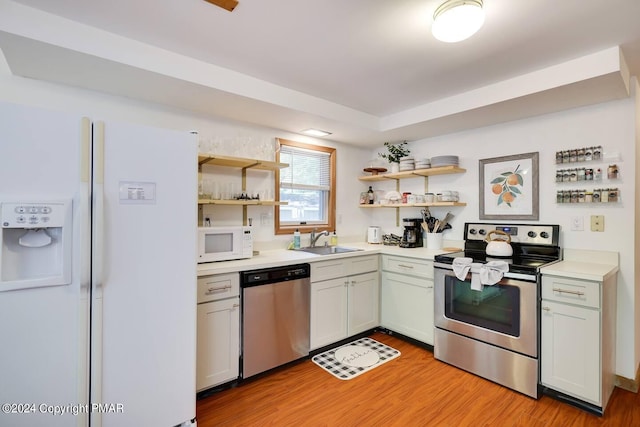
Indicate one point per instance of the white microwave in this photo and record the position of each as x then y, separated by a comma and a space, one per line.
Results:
224, 243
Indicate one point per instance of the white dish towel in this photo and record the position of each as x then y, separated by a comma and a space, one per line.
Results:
489, 273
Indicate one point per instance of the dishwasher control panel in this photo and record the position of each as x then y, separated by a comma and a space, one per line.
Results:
273, 275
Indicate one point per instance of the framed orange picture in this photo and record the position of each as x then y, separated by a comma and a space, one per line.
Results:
509, 187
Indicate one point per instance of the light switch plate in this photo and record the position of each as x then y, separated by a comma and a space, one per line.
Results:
597, 222
577, 223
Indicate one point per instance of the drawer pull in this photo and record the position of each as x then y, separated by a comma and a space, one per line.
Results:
562, 291
405, 266
236, 305
220, 289
546, 308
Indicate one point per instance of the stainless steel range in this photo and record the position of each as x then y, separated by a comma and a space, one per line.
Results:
492, 329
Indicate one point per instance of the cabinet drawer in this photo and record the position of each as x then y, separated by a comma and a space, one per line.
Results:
342, 267
325, 270
572, 291
412, 266
363, 264
219, 286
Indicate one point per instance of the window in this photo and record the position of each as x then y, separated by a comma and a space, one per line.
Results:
308, 187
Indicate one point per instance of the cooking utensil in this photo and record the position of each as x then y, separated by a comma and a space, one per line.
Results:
500, 248
448, 217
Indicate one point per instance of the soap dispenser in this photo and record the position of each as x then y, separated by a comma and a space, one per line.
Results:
334, 239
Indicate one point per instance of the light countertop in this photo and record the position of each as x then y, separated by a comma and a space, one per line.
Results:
281, 257
581, 270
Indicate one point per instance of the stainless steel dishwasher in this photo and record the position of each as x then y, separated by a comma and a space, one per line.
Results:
275, 317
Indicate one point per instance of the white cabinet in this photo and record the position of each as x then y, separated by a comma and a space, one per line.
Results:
218, 330
578, 338
407, 297
345, 298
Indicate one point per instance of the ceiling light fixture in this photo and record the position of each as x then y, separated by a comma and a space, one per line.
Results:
456, 20
316, 132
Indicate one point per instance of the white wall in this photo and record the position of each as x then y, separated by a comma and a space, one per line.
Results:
612, 125
228, 138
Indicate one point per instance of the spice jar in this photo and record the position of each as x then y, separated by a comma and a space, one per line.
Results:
604, 195
559, 196
596, 196
573, 175
588, 154
581, 174
574, 196
581, 154
581, 196
566, 197
588, 174
559, 176
612, 172
613, 195
558, 157
588, 197
597, 152
565, 156
597, 175
573, 155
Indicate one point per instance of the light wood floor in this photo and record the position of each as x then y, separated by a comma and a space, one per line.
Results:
412, 390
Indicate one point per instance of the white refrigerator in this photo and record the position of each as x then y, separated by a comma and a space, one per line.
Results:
97, 272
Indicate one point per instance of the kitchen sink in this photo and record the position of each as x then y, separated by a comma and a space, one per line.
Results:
328, 250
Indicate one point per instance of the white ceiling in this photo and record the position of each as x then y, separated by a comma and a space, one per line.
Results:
375, 58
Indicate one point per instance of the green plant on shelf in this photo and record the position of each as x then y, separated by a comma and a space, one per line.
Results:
395, 152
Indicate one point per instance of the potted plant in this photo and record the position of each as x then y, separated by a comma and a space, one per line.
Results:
395, 153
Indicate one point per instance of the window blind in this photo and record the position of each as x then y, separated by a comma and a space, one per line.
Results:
308, 169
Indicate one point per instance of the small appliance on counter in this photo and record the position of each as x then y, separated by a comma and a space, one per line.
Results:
224, 243
374, 235
412, 236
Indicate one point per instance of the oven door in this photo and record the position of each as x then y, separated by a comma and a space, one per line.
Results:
504, 314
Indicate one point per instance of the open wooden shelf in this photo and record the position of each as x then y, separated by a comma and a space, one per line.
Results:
415, 205
241, 202
238, 162
442, 170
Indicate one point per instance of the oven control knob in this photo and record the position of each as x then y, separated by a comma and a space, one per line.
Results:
482, 232
532, 234
472, 231
544, 235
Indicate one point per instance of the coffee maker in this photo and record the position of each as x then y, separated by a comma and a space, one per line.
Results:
412, 236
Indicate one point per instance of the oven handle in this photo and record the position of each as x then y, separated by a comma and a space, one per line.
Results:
563, 291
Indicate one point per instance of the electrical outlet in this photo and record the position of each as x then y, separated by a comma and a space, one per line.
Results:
577, 223
597, 222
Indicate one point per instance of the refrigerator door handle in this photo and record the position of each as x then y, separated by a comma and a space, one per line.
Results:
85, 203
98, 207
97, 271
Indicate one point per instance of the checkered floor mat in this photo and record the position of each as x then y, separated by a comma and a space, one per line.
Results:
364, 348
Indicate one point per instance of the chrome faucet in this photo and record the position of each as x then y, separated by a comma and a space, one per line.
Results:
315, 236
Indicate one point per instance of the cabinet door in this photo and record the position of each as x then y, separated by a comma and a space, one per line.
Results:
407, 306
218, 343
570, 354
364, 302
328, 312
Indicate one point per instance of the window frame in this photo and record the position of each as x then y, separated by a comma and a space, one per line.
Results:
331, 208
